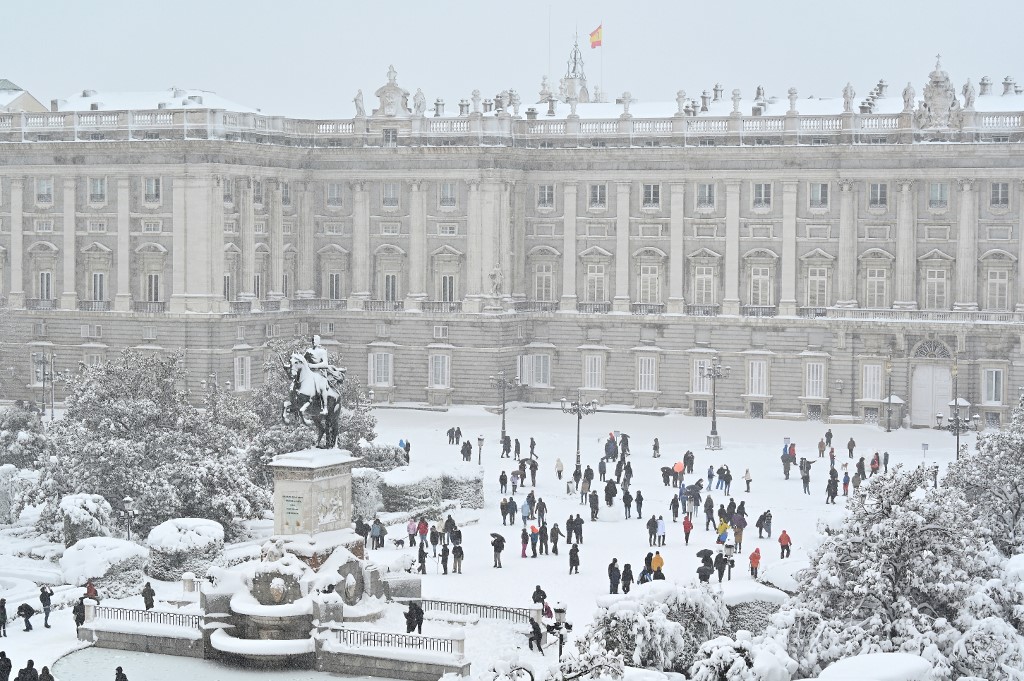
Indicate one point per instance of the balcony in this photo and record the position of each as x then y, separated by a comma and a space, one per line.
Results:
889, 314
758, 310
592, 308
383, 305
40, 304
149, 306
271, 306
702, 310
534, 306
94, 306
442, 306
314, 304
811, 312
647, 308
240, 307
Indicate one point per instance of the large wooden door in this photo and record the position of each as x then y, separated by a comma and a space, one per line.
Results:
931, 392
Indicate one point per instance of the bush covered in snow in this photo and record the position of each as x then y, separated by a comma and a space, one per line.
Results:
414, 490
22, 439
114, 565
14, 483
84, 515
465, 485
742, 658
367, 500
410, 489
382, 457
752, 616
184, 545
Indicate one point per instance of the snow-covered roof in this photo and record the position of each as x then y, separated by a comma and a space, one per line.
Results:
171, 98
8, 85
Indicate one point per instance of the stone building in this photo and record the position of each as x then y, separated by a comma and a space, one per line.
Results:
832, 252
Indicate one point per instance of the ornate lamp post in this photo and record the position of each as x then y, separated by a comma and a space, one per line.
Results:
888, 399
129, 513
45, 371
501, 381
714, 371
956, 424
579, 409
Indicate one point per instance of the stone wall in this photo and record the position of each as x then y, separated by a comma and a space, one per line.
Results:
363, 664
142, 642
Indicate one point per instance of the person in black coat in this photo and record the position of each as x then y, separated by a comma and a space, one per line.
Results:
639, 501
721, 562
555, 533
614, 576
29, 673
423, 558
444, 558
539, 595
627, 577
627, 502
45, 675
119, 675
5, 666
574, 559
535, 636
45, 596
78, 612
148, 595
457, 556
26, 611
652, 530
498, 543
414, 618
3, 616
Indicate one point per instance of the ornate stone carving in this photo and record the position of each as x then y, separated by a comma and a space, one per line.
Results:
905, 185
680, 102
908, 98
792, 100
358, 101
940, 108
966, 184
419, 103
736, 101
932, 349
394, 101
848, 94
845, 185
969, 95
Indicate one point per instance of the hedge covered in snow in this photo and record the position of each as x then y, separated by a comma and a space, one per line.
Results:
84, 515
183, 545
414, 490
114, 565
382, 457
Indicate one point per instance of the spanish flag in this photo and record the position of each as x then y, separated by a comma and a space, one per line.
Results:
595, 37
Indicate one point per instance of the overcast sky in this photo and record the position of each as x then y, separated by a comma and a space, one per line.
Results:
307, 58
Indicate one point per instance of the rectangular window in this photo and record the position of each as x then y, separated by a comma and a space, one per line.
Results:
819, 195
96, 226
333, 228
391, 287
997, 293
646, 374
151, 190
390, 137
650, 284
155, 226
257, 191
439, 371
285, 284
935, 289
652, 196
447, 198
44, 225
152, 288
760, 286
45, 289
701, 384
876, 292
286, 194
257, 285
993, 388
334, 194
757, 377
817, 287
448, 288
815, 383
543, 282
229, 190
762, 195
704, 286
99, 286
380, 369
334, 291
871, 388
230, 227
440, 331
878, 195
389, 194
93, 359
1000, 194
938, 195
97, 190
227, 287
390, 228
243, 367
706, 195
593, 372
535, 370
595, 291
259, 228
546, 196
44, 190
447, 229
598, 196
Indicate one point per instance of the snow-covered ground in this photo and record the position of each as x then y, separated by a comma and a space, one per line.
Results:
749, 444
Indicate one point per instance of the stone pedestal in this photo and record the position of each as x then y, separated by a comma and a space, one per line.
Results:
312, 491
714, 442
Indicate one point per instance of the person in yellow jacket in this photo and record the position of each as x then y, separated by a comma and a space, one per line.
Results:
657, 562
723, 527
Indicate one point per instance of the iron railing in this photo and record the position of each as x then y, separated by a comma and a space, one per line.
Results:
176, 619
361, 638
594, 307
442, 306
647, 308
500, 612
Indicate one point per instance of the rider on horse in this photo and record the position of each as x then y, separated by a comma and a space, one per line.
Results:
318, 361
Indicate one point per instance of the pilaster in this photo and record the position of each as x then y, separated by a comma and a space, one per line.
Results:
906, 248
361, 255
417, 247
676, 257
305, 286
967, 248
731, 302
474, 257
1019, 188
276, 226
247, 241
787, 301
620, 303
846, 265
123, 296
179, 246
16, 298
69, 256
568, 302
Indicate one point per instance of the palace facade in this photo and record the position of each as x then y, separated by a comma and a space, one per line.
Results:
831, 252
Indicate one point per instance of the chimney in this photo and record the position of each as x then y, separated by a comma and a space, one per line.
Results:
88, 93
1007, 85
985, 86
882, 88
438, 107
178, 92
531, 114
756, 110
704, 100
488, 105
718, 92
55, 105
463, 107
551, 106
163, 105
95, 106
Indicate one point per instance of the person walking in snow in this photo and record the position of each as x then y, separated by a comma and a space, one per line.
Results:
559, 467
727, 477
821, 448
831, 491
595, 505
148, 594
577, 475
656, 452
747, 478
524, 538
846, 484
627, 501
534, 540
614, 576
534, 467
785, 464
627, 578
555, 534
5, 666
579, 529
574, 559
533, 448
785, 543
850, 447
673, 506
498, 544
687, 528
857, 479
755, 562
544, 539
3, 616
435, 539
602, 470
539, 595
652, 531
444, 558
661, 530
876, 463
885, 462
639, 501
535, 636
721, 562
457, 555
45, 596
503, 483
514, 479
709, 513
711, 476
422, 556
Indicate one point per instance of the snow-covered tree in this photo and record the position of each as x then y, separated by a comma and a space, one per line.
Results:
22, 440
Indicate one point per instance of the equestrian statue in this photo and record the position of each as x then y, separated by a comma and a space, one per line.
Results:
315, 393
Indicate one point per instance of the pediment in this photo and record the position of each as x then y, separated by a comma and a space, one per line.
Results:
997, 254
761, 253
42, 247
936, 254
595, 252
96, 248
876, 254
262, 247
332, 249
649, 252
543, 251
817, 254
704, 253
447, 250
388, 249
228, 248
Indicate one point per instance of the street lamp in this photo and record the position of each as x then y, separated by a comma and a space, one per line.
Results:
888, 409
501, 381
480, 451
714, 371
45, 370
957, 424
579, 409
129, 513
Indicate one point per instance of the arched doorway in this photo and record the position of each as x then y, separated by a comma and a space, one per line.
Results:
931, 386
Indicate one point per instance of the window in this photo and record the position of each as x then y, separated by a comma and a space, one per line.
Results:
286, 194
287, 227
705, 196
876, 291
819, 195
326, 328
229, 190
595, 290
871, 387
997, 290
447, 229
285, 284
92, 331
817, 287
760, 286
334, 192
543, 282
992, 391
152, 288
230, 227
389, 196
935, 289
598, 196
243, 367
379, 373
757, 377
706, 142
257, 285
447, 288
151, 192
390, 137
646, 374
93, 359
878, 195
149, 333
762, 195
44, 225
938, 195
650, 284
391, 287
227, 287
257, 191
259, 228
45, 288
1000, 194
652, 196
701, 384
535, 370
546, 196
333, 228
440, 331
439, 371
155, 226
448, 196
99, 286
334, 290
390, 228
815, 380
593, 372
44, 190
704, 285
96, 226
97, 190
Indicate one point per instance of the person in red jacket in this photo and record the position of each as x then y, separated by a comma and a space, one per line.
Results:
422, 528
755, 562
687, 528
785, 542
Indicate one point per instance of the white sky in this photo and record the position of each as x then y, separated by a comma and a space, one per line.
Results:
307, 58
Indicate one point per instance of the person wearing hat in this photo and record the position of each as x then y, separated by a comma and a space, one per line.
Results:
119, 676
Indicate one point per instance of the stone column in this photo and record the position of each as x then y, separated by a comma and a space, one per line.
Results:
1020, 246
474, 236
731, 302
123, 297
622, 257
490, 216
247, 242
16, 299
906, 251
69, 293
846, 277
215, 247
179, 246
788, 267
361, 255
417, 247
967, 248
677, 255
503, 238
519, 287
305, 286
275, 216
198, 242
568, 302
